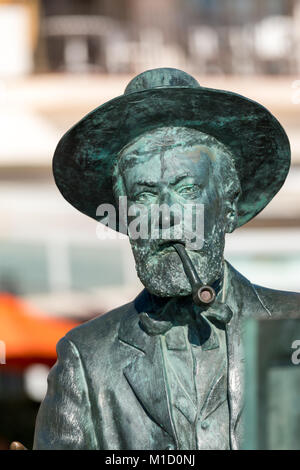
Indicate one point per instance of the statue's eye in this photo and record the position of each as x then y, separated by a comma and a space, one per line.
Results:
189, 190
144, 196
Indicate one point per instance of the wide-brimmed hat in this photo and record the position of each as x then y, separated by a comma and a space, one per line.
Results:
85, 155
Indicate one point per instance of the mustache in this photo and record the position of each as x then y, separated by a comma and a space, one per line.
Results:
159, 248
164, 239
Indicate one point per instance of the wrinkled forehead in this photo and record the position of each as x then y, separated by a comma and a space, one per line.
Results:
170, 141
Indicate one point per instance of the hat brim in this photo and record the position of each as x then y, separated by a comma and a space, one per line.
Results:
85, 155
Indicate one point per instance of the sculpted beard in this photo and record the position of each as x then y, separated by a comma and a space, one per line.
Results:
161, 272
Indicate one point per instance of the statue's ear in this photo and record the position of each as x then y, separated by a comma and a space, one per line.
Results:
231, 215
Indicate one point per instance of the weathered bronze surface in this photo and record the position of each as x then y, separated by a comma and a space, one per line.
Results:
163, 372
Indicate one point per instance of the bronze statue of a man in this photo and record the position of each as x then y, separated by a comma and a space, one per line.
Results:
165, 371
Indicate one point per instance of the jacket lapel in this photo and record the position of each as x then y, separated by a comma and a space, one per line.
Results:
217, 393
243, 300
145, 371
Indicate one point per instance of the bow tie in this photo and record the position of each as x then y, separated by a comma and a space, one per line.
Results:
178, 312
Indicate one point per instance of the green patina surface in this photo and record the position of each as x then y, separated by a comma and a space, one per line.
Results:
160, 373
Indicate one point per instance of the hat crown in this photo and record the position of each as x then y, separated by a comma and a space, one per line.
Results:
160, 78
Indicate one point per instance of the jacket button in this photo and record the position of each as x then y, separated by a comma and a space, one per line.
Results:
205, 424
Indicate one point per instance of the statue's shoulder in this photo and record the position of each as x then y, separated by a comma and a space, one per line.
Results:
102, 329
278, 302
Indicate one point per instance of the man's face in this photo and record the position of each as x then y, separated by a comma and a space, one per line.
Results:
172, 173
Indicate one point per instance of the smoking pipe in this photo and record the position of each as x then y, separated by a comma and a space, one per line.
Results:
202, 294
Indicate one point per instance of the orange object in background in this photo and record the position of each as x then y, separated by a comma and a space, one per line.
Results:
28, 334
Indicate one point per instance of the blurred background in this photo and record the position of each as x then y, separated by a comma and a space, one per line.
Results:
59, 59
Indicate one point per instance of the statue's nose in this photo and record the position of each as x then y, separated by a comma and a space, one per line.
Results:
168, 219
169, 213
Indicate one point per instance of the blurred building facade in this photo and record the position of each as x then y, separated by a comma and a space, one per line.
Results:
62, 58
203, 36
